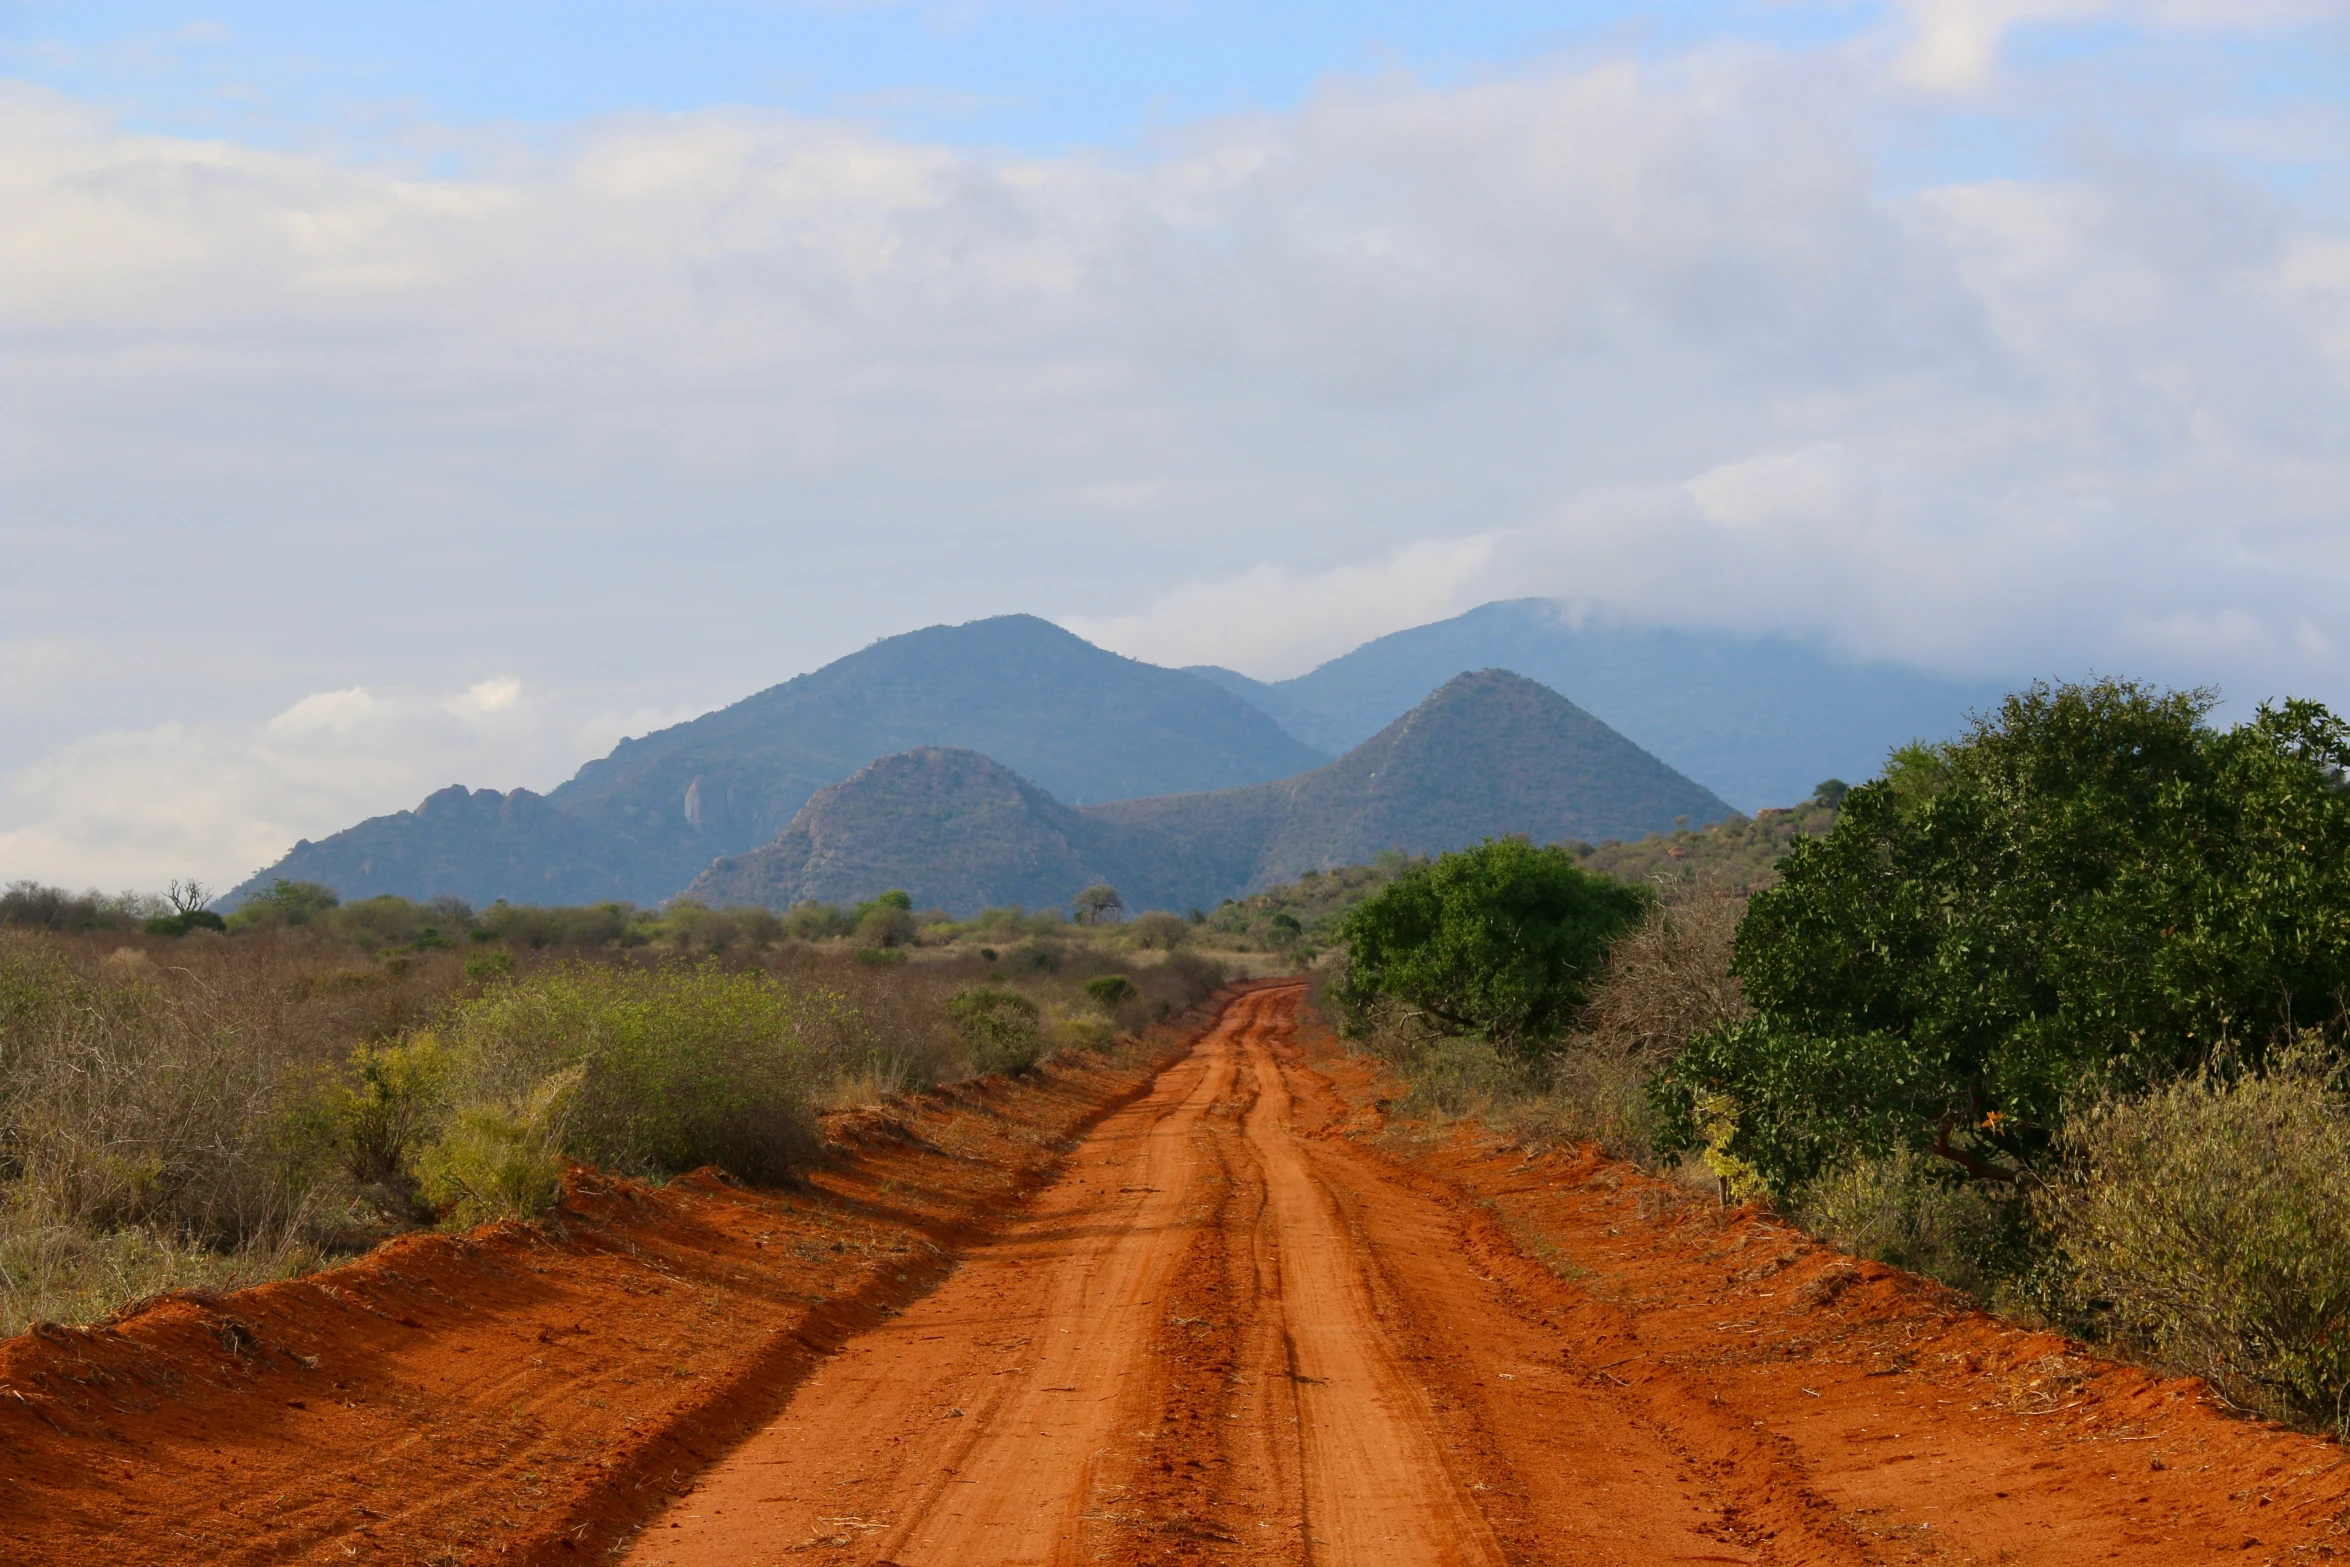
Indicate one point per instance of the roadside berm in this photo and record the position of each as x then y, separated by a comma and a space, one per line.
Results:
1207, 1308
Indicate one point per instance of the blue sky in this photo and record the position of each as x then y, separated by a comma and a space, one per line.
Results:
1031, 76
400, 395
395, 80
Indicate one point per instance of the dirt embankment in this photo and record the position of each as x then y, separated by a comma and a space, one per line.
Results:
1242, 1321
520, 1393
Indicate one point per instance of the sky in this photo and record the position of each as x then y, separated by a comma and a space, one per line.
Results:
393, 396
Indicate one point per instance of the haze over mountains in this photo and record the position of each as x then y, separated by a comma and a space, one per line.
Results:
1179, 786
1490, 753
1759, 720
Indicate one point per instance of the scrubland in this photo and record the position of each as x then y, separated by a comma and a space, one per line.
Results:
221, 1107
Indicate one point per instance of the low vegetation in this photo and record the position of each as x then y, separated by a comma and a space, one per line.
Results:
216, 1108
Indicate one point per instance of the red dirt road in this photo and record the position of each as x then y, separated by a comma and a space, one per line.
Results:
1225, 1313
1226, 1335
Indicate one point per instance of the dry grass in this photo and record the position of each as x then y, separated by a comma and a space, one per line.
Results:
214, 1110
2207, 1223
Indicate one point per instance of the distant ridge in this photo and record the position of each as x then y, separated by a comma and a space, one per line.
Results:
1488, 755
639, 824
1758, 719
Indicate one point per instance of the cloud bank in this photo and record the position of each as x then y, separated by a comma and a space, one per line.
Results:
662, 409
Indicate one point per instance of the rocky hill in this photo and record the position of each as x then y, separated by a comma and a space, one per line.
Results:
951, 827
1758, 719
641, 823
1489, 754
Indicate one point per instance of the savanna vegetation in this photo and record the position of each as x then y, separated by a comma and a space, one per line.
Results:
214, 1104
2054, 1012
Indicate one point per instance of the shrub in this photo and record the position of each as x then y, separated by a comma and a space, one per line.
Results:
148, 1096
1159, 929
517, 925
1110, 991
1500, 940
677, 1066
1668, 981
884, 923
285, 903
53, 908
1097, 905
1592, 1095
390, 1099
490, 965
1070, 1031
998, 1027
1916, 1212
818, 921
2086, 894
2210, 1218
186, 920
500, 1161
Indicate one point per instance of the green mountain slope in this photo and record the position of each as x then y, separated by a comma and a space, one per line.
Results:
641, 823
1489, 754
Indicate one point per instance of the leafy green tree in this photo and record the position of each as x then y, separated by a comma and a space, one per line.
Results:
2091, 891
287, 903
1097, 903
1500, 940
887, 921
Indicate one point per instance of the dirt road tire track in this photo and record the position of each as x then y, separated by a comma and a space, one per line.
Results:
1354, 1392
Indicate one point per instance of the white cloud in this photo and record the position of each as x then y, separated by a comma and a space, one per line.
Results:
480, 700
220, 800
1272, 621
1952, 45
663, 409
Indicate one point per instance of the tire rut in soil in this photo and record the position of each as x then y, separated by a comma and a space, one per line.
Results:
1265, 1344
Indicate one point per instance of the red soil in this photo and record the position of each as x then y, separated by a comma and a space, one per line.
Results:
520, 1394
1240, 1320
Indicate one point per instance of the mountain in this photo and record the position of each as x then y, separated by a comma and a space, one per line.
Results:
1759, 719
1086, 724
477, 844
1489, 754
951, 827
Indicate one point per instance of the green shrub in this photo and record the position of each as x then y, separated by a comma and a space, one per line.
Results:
678, 1066
490, 965
285, 904
1072, 1031
2208, 1222
2088, 893
1110, 991
392, 1096
500, 1161
1501, 940
999, 1028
